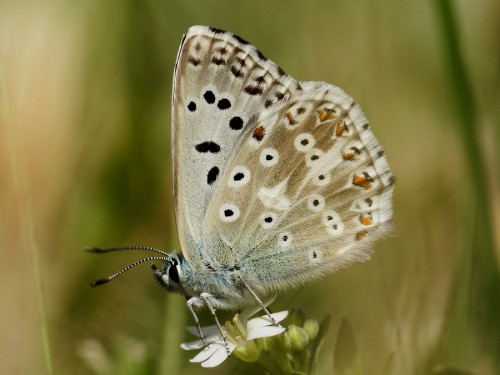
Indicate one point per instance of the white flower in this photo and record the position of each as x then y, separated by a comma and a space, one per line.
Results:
240, 332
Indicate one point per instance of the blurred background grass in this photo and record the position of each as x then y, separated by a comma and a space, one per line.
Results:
85, 160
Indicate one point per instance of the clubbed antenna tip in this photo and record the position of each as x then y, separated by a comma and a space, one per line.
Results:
100, 282
92, 249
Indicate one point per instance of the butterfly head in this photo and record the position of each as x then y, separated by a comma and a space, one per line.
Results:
170, 274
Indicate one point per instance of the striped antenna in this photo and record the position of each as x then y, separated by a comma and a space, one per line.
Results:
99, 250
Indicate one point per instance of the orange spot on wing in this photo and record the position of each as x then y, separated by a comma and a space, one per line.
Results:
258, 133
326, 114
365, 219
360, 235
362, 181
340, 129
348, 156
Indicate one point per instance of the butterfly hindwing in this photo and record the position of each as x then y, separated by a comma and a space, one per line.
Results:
305, 192
220, 81
279, 180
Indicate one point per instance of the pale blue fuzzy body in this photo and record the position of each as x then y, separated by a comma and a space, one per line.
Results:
223, 285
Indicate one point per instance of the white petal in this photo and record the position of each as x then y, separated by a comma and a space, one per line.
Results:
219, 356
213, 354
198, 344
264, 320
266, 331
206, 353
192, 345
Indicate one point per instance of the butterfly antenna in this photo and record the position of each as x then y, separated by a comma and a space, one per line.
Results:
99, 250
116, 274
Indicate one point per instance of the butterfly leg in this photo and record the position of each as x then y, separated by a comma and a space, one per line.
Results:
259, 301
190, 303
206, 299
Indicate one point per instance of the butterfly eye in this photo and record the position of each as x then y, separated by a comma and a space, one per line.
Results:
269, 157
304, 142
173, 274
285, 239
240, 175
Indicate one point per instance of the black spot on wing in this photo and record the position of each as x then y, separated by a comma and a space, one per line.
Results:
216, 30
209, 97
280, 71
260, 55
212, 175
236, 123
194, 61
240, 39
207, 146
238, 176
236, 72
224, 104
218, 61
253, 90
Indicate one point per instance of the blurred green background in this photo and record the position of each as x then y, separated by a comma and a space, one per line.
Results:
85, 160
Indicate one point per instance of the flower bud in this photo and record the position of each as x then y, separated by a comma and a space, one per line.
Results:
311, 327
281, 341
250, 352
298, 338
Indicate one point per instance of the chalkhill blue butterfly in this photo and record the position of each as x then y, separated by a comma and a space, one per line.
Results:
276, 182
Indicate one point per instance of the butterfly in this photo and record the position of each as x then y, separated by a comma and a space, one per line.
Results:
276, 182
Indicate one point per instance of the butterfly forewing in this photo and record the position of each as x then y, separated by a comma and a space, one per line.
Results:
279, 180
220, 82
305, 193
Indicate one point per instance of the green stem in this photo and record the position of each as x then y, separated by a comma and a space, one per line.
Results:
474, 307
173, 330
26, 220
